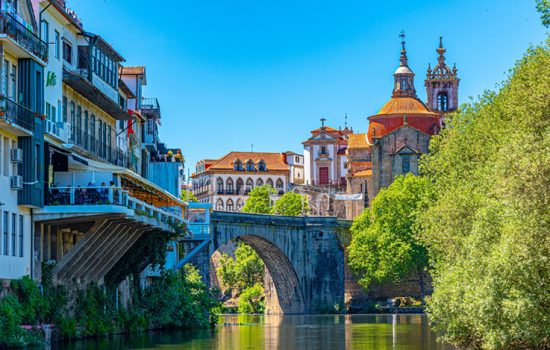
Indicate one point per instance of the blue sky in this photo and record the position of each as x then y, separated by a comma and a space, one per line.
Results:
229, 74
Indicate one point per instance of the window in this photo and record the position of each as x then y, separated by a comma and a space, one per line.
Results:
240, 204
13, 76
104, 66
238, 165
262, 166
240, 185
79, 124
64, 113
442, 102
280, 184
5, 77
13, 233
297, 159
53, 115
259, 182
86, 131
73, 120
230, 186
21, 231
92, 137
405, 164
250, 166
323, 150
269, 182
249, 186
57, 44
219, 204
45, 31
230, 206
57, 117
48, 111
219, 185
67, 52
6, 222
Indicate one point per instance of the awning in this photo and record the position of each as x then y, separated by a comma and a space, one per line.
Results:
140, 187
349, 197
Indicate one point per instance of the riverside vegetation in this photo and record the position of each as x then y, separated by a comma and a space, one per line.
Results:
478, 217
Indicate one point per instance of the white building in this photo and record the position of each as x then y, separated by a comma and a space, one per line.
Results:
226, 182
295, 163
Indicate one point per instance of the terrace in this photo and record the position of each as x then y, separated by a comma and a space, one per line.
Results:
21, 41
16, 118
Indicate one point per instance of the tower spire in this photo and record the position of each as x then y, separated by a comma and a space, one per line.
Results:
403, 58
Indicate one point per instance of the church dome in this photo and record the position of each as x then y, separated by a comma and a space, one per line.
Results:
404, 105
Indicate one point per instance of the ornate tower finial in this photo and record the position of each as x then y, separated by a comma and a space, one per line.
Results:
442, 84
441, 50
403, 57
346, 121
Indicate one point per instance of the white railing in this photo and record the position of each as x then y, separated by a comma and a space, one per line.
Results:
87, 195
161, 215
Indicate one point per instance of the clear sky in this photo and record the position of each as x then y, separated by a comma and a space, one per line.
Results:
233, 73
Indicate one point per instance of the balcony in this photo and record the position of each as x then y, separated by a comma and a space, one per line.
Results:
91, 146
27, 43
16, 118
87, 200
151, 107
58, 130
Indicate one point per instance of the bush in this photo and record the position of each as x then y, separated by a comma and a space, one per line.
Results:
251, 300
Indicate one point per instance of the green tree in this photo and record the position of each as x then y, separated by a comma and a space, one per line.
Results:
488, 222
385, 246
246, 270
259, 200
543, 6
291, 204
251, 300
188, 196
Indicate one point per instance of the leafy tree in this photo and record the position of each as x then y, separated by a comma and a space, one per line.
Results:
251, 301
543, 6
291, 204
488, 222
246, 270
385, 246
259, 200
188, 196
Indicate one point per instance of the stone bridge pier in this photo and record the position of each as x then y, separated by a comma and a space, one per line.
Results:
303, 255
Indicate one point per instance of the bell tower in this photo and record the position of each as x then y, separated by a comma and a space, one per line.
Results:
403, 85
442, 84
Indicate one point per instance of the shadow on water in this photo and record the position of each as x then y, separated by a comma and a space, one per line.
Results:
380, 332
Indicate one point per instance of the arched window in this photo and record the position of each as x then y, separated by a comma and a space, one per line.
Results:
240, 185
279, 184
442, 102
250, 166
229, 186
238, 165
406, 164
219, 186
262, 166
219, 204
240, 204
249, 186
229, 206
269, 182
259, 182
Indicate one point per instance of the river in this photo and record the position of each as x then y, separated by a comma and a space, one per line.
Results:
380, 332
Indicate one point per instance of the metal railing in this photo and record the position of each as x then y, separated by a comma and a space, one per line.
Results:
16, 114
150, 104
87, 195
108, 195
92, 144
10, 26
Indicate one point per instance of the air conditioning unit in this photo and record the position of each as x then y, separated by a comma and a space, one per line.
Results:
16, 182
16, 155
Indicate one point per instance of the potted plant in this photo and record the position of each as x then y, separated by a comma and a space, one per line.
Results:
169, 155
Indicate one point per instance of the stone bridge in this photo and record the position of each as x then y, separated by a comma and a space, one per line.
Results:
303, 255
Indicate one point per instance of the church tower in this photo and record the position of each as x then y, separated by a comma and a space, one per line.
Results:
403, 77
442, 84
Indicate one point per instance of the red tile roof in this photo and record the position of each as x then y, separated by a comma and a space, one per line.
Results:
274, 161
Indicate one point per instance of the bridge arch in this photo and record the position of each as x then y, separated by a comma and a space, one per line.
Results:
303, 255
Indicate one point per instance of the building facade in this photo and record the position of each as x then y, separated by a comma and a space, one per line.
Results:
400, 132
226, 182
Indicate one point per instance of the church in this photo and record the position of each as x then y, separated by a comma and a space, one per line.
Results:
397, 136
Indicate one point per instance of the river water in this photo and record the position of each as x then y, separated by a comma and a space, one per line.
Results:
380, 332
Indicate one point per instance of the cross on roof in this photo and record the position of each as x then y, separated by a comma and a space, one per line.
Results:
402, 36
323, 120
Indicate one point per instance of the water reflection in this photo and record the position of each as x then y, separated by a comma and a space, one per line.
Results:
380, 332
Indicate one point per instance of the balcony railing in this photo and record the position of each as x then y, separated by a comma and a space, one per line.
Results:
150, 104
10, 26
16, 114
104, 151
108, 195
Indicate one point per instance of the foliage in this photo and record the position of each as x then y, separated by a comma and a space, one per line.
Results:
291, 204
543, 7
11, 333
188, 196
246, 270
259, 201
385, 246
251, 300
179, 301
487, 224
